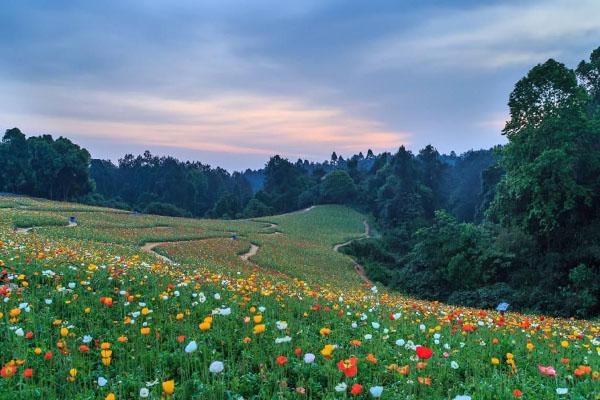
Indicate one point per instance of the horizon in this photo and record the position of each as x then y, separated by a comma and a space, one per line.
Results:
241, 170
232, 85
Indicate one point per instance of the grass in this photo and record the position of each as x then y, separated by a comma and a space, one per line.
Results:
56, 282
29, 220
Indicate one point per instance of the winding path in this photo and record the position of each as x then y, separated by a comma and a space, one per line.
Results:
149, 248
271, 225
252, 251
28, 229
360, 270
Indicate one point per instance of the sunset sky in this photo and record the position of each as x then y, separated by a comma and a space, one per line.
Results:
231, 83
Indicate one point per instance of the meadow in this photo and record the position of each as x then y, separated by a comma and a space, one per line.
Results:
86, 314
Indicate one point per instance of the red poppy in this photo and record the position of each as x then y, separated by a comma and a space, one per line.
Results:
298, 352
517, 393
281, 360
84, 348
180, 338
48, 355
348, 367
8, 370
29, 335
356, 389
28, 373
424, 352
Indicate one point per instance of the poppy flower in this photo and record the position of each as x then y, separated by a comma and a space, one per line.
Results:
403, 370
259, 329
517, 393
348, 367
356, 389
28, 373
8, 370
327, 350
281, 360
547, 371
216, 367
424, 352
204, 326
168, 387
325, 331
424, 380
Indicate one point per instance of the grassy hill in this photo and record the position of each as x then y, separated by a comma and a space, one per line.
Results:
87, 313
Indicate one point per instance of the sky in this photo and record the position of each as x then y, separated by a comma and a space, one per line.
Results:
231, 83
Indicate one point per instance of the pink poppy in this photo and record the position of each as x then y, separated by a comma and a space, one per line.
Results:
548, 371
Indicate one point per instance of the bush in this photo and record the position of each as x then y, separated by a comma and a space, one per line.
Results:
256, 208
169, 210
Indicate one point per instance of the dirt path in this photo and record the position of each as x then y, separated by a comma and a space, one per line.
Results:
253, 250
149, 248
360, 270
27, 230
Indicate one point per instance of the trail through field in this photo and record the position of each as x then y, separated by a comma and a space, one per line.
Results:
27, 230
272, 225
149, 248
253, 250
360, 270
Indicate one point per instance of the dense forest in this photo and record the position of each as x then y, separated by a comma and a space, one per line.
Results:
518, 223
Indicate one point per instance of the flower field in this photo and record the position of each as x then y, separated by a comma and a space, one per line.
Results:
86, 315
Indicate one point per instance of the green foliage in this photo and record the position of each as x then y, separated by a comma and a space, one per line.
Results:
169, 210
544, 195
338, 187
284, 182
198, 189
44, 167
256, 208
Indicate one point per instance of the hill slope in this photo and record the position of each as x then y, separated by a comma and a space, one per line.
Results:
88, 314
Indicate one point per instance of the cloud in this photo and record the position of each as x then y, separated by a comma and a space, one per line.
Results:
232, 122
488, 37
263, 77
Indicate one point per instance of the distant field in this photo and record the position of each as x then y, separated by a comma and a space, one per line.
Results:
87, 313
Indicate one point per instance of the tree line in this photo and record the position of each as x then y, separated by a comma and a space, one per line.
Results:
518, 223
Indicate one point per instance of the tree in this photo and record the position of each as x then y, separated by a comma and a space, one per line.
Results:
256, 208
283, 184
551, 159
548, 90
338, 187
431, 169
334, 158
14, 162
41, 166
589, 76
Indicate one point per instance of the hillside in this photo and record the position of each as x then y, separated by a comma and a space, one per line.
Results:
124, 305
